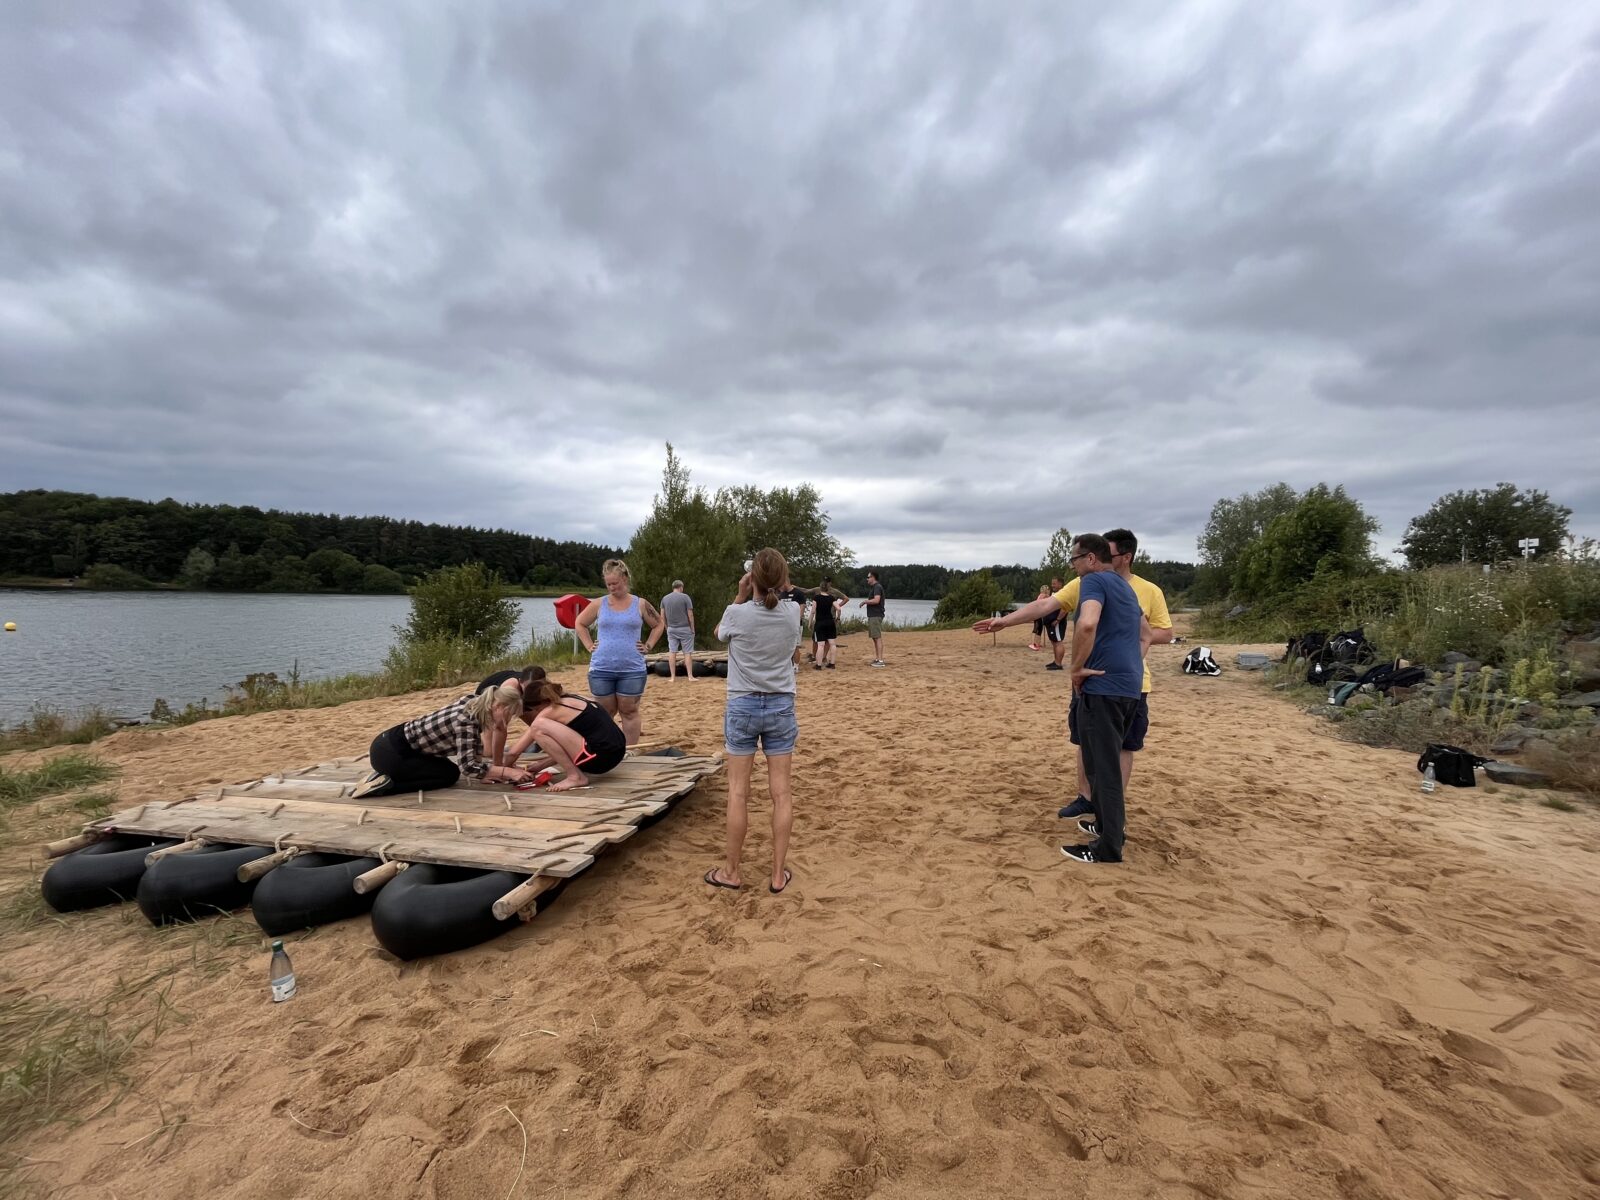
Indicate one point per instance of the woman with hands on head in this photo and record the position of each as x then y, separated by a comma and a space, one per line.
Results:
760, 629
609, 627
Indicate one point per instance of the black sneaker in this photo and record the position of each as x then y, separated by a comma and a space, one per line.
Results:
831, 667
1087, 824
1078, 808
1083, 854
1053, 667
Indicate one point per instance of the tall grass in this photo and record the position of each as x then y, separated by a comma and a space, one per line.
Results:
47, 726
63, 773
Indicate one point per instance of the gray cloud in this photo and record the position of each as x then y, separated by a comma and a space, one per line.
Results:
975, 274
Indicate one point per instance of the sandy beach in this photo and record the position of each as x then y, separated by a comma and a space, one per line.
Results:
1307, 980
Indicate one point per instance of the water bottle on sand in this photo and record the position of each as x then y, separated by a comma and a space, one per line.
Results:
281, 974
1429, 780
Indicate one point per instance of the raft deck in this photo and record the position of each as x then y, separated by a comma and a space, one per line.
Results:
490, 826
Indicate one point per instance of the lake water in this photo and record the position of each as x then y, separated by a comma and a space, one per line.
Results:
121, 650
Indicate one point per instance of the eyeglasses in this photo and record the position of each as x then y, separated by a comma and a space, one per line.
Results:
1076, 557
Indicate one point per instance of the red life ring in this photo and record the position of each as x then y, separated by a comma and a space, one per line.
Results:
568, 607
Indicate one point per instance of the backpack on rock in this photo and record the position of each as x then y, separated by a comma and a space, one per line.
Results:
1199, 662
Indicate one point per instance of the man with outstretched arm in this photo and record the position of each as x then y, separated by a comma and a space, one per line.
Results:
1107, 670
1153, 602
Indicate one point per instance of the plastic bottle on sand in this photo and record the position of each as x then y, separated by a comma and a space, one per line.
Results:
1429, 780
281, 974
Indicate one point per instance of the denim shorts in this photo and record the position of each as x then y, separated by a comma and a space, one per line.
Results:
764, 717
618, 683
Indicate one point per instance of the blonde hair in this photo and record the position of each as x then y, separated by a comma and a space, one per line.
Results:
615, 566
768, 570
483, 707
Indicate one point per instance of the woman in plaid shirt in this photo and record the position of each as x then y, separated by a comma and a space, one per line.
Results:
411, 756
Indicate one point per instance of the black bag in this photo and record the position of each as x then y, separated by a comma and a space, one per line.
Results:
1307, 645
1451, 764
1385, 677
1323, 673
1199, 662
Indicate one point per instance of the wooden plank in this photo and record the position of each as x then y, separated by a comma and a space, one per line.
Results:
563, 826
502, 850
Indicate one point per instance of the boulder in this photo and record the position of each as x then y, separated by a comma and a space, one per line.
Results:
1509, 741
1252, 662
1503, 772
1530, 710
1452, 657
1238, 610
1581, 700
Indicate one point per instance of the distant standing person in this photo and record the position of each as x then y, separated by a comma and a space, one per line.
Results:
678, 609
1055, 631
760, 634
874, 607
616, 665
1107, 670
1038, 624
827, 601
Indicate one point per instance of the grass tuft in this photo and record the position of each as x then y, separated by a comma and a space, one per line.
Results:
64, 773
52, 1055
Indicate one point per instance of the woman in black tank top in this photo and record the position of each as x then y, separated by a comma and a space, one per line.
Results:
577, 735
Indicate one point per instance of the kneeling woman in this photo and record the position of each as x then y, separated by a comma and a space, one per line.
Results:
576, 735
410, 756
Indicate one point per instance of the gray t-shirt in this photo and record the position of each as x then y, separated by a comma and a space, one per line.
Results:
676, 607
761, 644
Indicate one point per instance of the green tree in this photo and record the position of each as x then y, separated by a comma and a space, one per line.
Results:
463, 605
1325, 533
1055, 563
687, 536
1233, 526
381, 580
197, 568
976, 595
335, 569
791, 521
1484, 526
109, 577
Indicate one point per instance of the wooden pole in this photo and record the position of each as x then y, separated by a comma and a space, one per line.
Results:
258, 867
522, 895
371, 881
181, 848
67, 845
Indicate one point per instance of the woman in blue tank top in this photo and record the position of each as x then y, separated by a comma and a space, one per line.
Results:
609, 627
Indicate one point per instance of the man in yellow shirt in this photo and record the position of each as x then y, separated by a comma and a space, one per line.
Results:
1154, 604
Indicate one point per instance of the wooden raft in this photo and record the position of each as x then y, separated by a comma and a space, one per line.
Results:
490, 826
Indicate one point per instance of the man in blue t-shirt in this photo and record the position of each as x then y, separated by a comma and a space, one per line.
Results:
1107, 678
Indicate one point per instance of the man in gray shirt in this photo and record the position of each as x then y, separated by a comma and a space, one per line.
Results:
678, 609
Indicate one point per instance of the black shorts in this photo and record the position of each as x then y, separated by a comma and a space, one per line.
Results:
824, 633
1056, 630
1136, 730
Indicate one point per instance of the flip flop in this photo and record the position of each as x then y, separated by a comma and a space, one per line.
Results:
711, 878
787, 876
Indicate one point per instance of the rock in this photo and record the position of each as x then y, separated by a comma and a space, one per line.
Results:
1503, 772
1531, 710
1585, 678
1452, 657
1252, 662
1238, 610
1510, 740
1581, 700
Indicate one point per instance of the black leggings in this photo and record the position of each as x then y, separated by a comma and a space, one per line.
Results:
407, 770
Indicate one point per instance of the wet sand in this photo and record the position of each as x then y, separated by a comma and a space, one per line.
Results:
1307, 980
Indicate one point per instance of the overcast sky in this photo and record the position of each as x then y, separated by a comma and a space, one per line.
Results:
976, 271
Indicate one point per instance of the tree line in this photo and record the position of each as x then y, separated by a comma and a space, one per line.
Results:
1274, 541
115, 542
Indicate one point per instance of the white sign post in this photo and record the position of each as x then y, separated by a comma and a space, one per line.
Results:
1528, 546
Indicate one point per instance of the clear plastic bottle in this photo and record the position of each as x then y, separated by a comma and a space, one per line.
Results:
1429, 780
281, 974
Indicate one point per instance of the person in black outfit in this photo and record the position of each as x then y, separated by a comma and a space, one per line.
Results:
494, 738
575, 734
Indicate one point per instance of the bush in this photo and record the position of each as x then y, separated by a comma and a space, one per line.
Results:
47, 726
464, 606
976, 596
380, 580
108, 577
